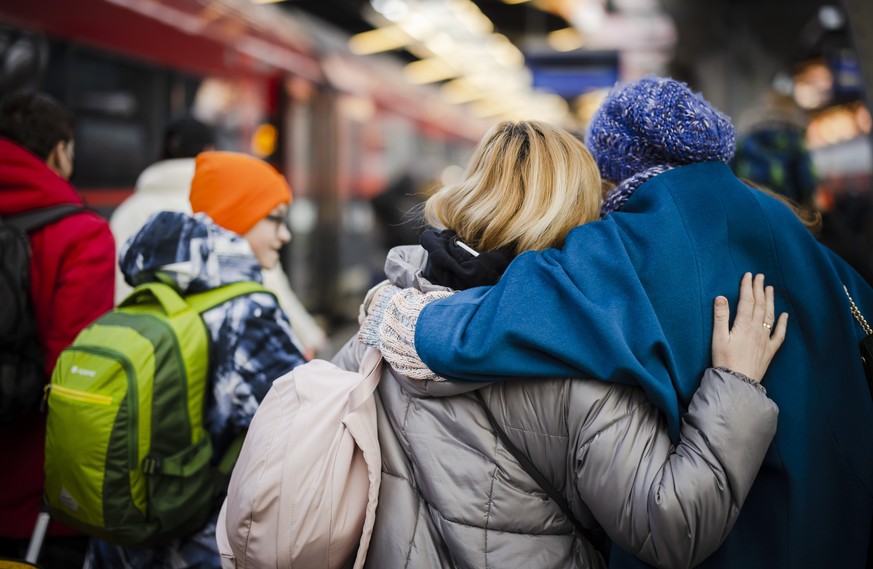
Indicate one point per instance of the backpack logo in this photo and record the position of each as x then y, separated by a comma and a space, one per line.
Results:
67, 500
80, 371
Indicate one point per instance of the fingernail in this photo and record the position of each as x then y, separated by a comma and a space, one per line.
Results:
720, 301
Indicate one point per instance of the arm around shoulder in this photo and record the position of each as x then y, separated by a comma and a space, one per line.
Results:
673, 505
680, 502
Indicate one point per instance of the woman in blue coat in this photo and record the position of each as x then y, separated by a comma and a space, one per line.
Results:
628, 297
452, 493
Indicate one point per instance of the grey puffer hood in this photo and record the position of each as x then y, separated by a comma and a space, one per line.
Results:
403, 267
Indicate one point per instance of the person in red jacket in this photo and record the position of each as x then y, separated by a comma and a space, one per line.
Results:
72, 271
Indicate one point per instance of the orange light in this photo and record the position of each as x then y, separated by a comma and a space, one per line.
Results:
264, 140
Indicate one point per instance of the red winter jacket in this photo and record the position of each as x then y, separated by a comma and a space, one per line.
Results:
72, 272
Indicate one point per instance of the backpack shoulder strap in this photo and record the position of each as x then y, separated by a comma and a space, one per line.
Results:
203, 301
36, 218
371, 369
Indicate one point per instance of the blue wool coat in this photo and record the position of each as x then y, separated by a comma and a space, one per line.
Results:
629, 299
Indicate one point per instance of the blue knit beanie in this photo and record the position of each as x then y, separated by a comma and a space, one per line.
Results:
656, 121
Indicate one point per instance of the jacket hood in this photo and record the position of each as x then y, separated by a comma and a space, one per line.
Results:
167, 177
403, 267
191, 251
27, 183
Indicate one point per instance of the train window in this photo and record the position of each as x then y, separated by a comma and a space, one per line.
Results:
119, 106
109, 153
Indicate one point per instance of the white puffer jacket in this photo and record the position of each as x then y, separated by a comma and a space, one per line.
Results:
163, 186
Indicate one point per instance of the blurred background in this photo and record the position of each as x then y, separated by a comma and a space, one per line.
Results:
368, 105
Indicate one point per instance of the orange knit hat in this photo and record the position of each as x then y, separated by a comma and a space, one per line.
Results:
236, 190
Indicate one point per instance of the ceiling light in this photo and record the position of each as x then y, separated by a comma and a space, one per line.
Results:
472, 17
429, 71
417, 25
505, 52
566, 39
394, 10
441, 44
493, 106
461, 91
831, 17
589, 16
378, 40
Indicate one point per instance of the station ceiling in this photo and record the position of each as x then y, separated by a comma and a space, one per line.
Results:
786, 29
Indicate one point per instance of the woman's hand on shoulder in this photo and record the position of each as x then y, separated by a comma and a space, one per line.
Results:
749, 345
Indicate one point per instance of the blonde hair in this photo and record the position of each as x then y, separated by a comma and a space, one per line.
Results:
526, 186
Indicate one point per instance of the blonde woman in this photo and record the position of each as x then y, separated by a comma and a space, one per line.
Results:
452, 493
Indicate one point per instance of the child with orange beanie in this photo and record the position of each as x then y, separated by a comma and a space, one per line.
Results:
238, 227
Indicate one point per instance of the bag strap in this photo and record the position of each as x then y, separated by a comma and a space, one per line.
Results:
538, 477
371, 369
856, 312
203, 301
167, 296
36, 218
174, 302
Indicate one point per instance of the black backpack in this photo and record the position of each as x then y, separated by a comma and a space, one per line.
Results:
22, 368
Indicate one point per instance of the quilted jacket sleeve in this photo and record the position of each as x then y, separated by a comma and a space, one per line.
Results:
349, 357
670, 505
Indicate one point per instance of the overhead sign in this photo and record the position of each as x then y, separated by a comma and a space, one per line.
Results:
571, 75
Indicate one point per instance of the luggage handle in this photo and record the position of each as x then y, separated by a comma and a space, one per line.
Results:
166, 296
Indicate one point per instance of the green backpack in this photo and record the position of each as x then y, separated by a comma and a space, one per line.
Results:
127, 458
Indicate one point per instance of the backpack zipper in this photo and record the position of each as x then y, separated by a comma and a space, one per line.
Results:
77, 395
132, 397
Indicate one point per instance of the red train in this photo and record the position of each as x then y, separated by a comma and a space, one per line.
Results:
341, 127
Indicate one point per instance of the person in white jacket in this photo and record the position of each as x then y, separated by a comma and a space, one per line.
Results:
164, 186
